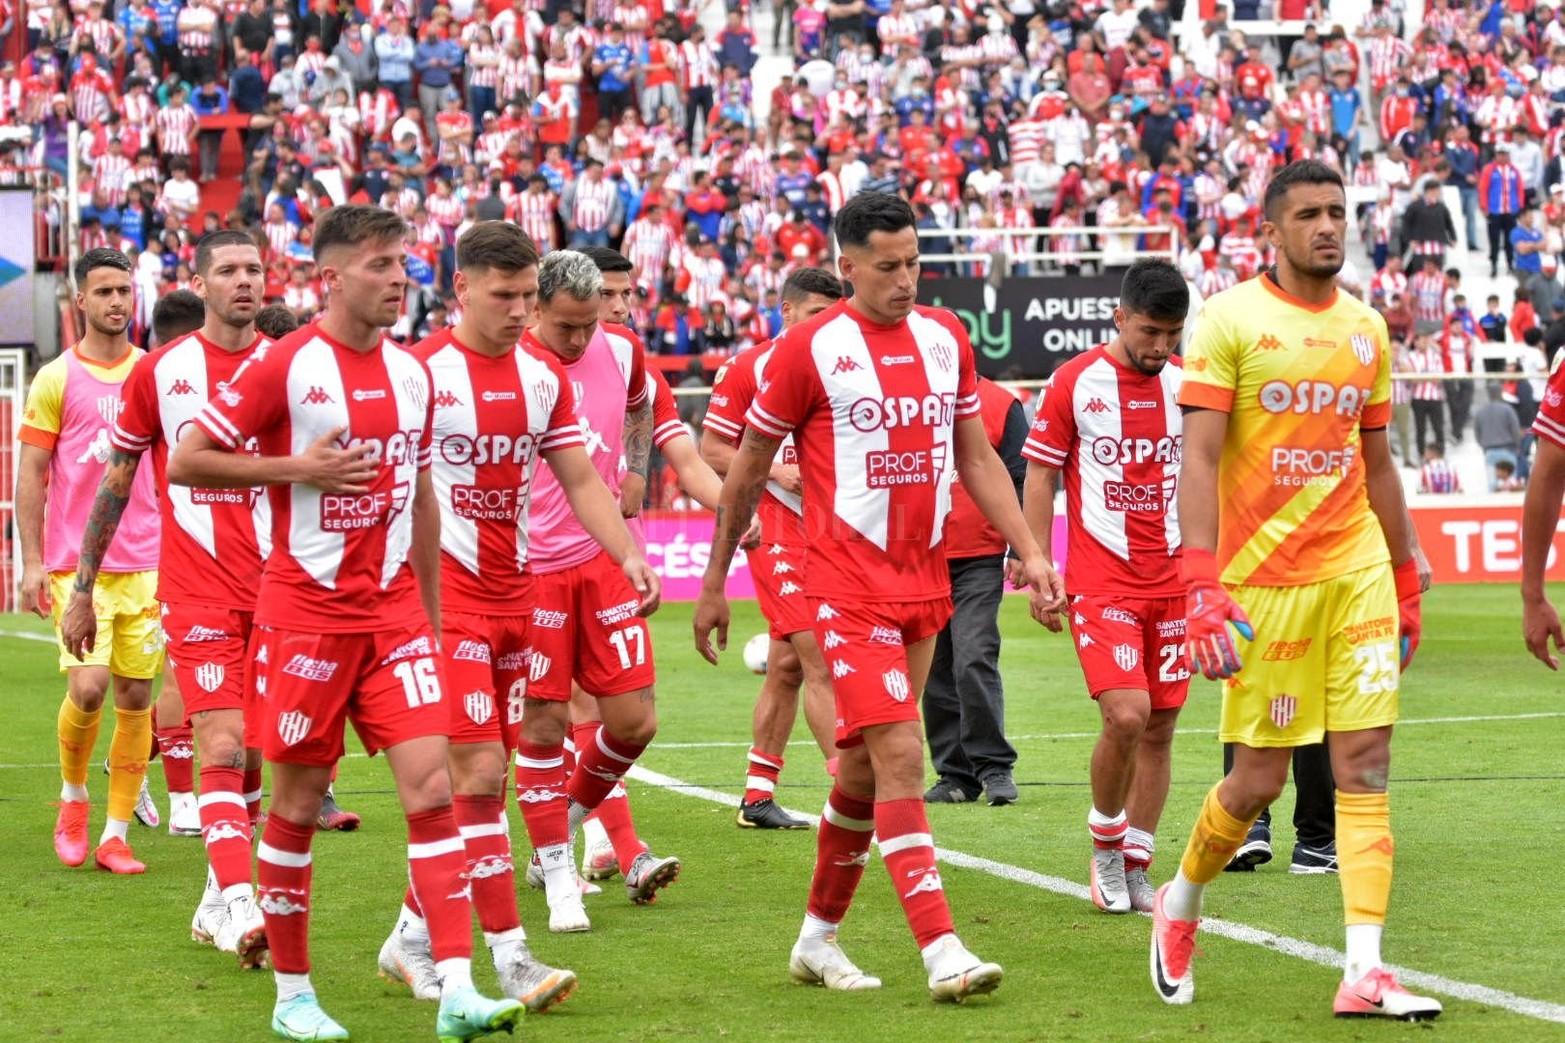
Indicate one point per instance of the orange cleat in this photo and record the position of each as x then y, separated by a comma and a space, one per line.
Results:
70, 832
116, 856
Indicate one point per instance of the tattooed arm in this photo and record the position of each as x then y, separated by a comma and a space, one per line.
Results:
638, 452
742, 490
78, 629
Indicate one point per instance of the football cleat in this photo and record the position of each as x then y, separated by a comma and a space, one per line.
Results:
1141, 890
467, 1015
1379, 995
536, 882
410, 964
648, 875
1309, 860
244, 933
1173, 950
70, 832
209, 922
567, 915
301, 1018
821, 961
955, 973
1108, 886
536, 985
333, 817
147, 808
1255, 851
599, 862
765, 814
116, 856
184, 815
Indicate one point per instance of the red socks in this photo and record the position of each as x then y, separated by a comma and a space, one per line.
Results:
761, 782
600, 762
540, 793
179, 752
841, 853
491, 875
225, 827
283, 864
437, 861
902, 829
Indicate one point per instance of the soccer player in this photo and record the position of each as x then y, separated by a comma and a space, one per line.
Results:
70, 411
209, 569
497, 410
1287, 395
341, 421
1540, 516
881, 395
589, 624
792, 656
1109, 421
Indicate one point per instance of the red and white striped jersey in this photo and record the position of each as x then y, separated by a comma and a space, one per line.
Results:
702, 279
1550, 422
213, 540
403, 203
534, 212
1067, 248
174, 126
304, 301
493, 418
666, 425
1429, 362
430, 231
196, 24
1215, 280
1316, 107
647, 244
1116, 434
1387, 55
1387, 284
339, 560
1026, 140
873, 409
998, 49
445, 211
633, 19
966, 78
483, 65
1428, 290
594, 204
106, 36
763, 277
280, 235
733, 390
697, 64
378, 111
109, 170
516, 75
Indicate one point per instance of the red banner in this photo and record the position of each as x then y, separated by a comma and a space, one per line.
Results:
1478, 543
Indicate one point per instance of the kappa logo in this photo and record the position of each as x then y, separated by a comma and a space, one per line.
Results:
180, 751
472, 652
209, 676
927, 884
1268, 343
182, 387
446, 400
897, 685
1084, 640
260, 656
224, 831
845, 365
292, 726
1127, 656
1385, 845
1282, 710
833, 640
309, 668
200, 633
493, 865
885, 636
788, 587
316, 396
781, 567
1079, 619
825, 612
777, 549
538, 667
841, 669
479, 706
282, 901
1096, 405
538, 796
1363, 348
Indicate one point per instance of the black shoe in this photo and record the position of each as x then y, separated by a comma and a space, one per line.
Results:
949, 791
765, 814
1309, 860
1000, 789
1255, 851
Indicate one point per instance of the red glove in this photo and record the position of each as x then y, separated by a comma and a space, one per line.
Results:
1408, 597
1209, 611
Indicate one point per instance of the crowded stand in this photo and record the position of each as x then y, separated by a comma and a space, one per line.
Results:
712, 146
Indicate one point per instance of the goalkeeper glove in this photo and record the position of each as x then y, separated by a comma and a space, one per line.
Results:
1408, 598
1209, 611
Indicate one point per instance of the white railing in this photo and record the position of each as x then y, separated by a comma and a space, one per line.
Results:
1069, 257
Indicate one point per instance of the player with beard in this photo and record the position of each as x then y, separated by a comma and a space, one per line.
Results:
1312, 561
65, 445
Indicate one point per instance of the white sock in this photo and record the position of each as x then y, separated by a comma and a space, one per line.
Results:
815, 929
503, 945
456, 975
592, 831
235, 892
71, 791
1182, 900
412, 926
115, 828
559, 872
1138, 844
1105, 828
933, 950
1363, 950
291, 985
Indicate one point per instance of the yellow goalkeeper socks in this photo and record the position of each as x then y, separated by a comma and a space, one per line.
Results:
77, 730
128, 760
1364, 855
1217, 835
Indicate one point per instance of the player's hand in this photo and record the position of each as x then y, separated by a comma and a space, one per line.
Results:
1209, 612
711, 614
1015, 575
1426, 572
1408, 609
1047, 600
79, 625
632, 493
1540, 622
752, 536
649, 587
35, 592
330, 468
787, 476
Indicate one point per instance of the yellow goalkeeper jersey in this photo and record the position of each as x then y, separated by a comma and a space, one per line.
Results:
1299, 383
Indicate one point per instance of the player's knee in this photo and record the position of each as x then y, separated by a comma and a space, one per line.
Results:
544, 723
222, 751
1124, 722
638, 732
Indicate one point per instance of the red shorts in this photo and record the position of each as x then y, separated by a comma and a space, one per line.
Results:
209, 649
865, 645
388, 683
585, 629
1132, 643
777, 570
486, 670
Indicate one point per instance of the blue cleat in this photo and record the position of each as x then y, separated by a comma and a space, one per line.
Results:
467, 1015
302, 1018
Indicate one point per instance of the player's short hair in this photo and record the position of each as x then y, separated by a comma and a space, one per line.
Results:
276, 321
608, 260
497, 245
212, 241
177, 314
811, 282
870, 212
569, 272
99, 257
354, 225
1155, 288
1299, 172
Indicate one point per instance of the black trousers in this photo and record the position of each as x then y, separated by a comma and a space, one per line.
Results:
1314, 796
964, 701
1500, 226
1428, 413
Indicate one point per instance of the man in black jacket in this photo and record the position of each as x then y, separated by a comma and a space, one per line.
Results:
1427, 228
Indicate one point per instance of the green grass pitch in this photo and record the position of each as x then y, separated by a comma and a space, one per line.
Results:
1477, 899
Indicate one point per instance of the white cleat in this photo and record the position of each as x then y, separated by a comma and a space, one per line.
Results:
1173, 950
568, 915
1379, 995
599, 862
821, 961
1108, 885
536, 882
244, 933
1142, 893
184, 815
955, 974
147, 808
410, 964
648, 875
209, 924
537, 985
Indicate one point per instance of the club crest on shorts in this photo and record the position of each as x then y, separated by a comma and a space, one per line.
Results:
479, 706
209, 676
292, 726
897, 685
538, 667
1283, 709
1127, 656
1363, 348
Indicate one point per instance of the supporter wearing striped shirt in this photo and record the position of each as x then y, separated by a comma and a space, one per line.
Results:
1437, 476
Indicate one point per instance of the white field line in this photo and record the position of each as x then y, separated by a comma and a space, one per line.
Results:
1307, 951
